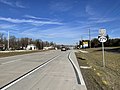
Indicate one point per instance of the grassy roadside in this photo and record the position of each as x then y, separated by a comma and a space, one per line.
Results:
7, 54
98, 77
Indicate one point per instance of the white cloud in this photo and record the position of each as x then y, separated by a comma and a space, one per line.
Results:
18, 4
102, 20
6, 2
6, 26
33, 17
60, 6
12, 4
114, 30
29, 21
59, 32
89, 10
93, 21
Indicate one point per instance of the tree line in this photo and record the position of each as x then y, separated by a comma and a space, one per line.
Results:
109, 43
96, 43
21, 43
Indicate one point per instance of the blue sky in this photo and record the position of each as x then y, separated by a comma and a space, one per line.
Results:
60, 21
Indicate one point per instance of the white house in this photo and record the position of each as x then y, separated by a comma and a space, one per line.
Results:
31, 47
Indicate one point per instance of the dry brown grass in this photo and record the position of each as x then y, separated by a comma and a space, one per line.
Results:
110, 75
7, 54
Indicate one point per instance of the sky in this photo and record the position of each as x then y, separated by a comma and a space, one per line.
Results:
60, 21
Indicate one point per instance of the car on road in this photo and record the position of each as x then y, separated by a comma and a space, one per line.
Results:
63, 48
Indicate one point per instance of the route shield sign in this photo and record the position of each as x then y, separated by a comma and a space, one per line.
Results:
102, 39
102, 32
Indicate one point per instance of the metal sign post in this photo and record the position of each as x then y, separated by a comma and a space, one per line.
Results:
102, 38
103, 54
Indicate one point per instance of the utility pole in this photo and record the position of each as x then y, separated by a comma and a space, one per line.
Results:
89, 38
81, 38
82, 41
8, 40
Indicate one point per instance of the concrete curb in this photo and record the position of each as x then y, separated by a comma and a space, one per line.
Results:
73, 60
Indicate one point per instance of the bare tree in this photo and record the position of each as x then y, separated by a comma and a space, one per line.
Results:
1, 38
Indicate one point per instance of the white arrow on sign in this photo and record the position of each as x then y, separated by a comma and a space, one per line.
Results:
102, 39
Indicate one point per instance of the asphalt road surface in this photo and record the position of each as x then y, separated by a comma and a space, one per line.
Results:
50, 70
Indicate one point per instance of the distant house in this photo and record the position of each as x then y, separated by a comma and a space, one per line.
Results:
31, 47
2, 47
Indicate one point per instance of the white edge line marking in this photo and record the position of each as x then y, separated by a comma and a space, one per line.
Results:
79, 72
28, 74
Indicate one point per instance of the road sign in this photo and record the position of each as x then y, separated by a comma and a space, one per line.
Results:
102, 39
85, 44
102, 32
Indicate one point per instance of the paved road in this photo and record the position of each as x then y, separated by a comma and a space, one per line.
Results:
54, 72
